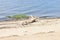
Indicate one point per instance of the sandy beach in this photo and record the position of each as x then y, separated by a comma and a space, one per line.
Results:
44, 29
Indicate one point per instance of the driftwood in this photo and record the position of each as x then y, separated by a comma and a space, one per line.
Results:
31, 20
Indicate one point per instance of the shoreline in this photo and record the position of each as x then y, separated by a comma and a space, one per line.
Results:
43, 17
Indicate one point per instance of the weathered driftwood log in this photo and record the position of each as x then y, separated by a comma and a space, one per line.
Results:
31, 20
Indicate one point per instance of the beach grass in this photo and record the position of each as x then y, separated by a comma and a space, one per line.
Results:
19, 16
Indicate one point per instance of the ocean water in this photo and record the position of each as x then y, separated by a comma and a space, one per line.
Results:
30, 7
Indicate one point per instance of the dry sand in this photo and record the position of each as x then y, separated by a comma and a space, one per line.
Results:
47, 29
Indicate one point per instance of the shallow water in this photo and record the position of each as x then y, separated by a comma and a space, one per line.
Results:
30, 7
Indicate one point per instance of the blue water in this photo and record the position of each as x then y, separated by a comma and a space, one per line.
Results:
30, 7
